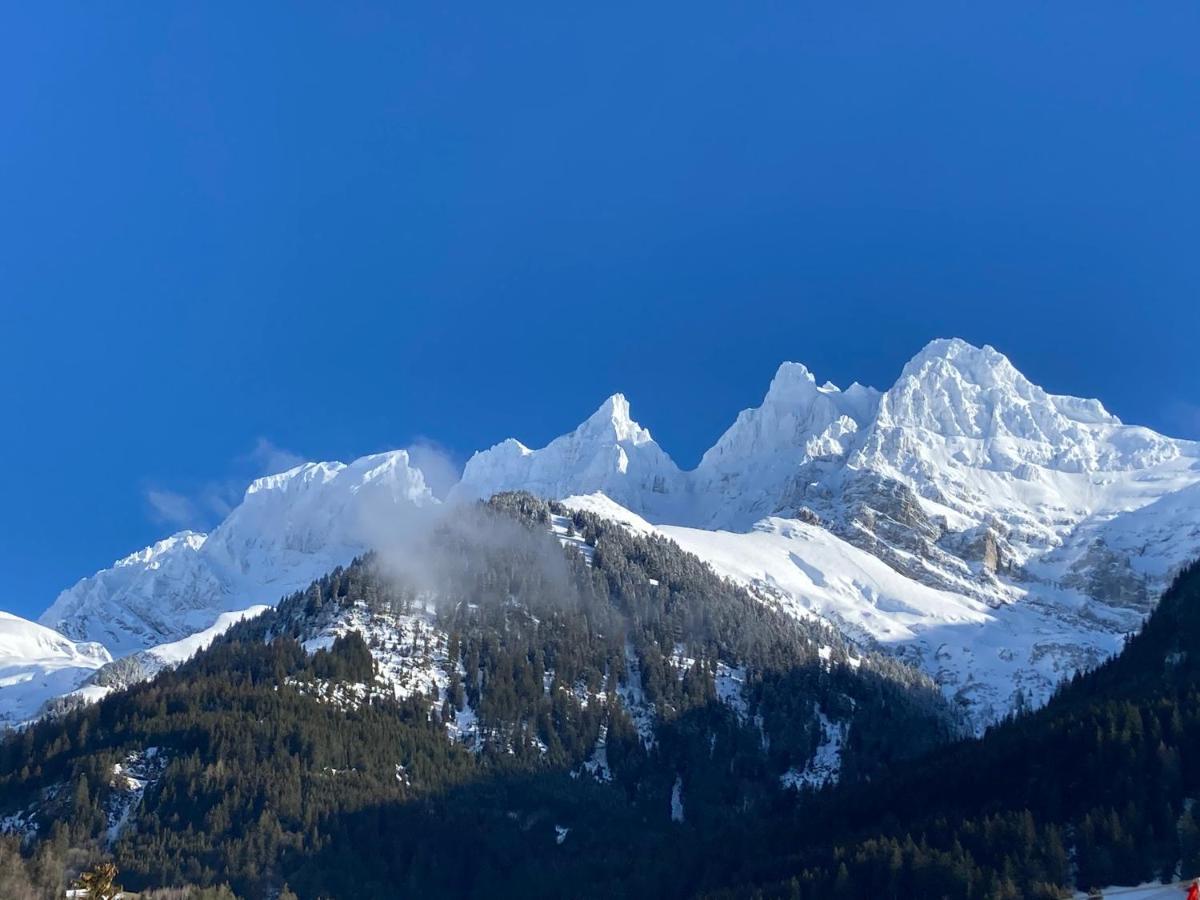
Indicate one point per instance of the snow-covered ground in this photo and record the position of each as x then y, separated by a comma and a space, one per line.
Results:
677, 811
561, 527
826, 764
412, 659
1151, 891
981, 655
130, 780
731, 689
173, 653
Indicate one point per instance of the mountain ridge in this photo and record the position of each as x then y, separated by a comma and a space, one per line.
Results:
964, 477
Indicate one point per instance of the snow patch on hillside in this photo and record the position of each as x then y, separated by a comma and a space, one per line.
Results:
677, 814
131, 778
826, 764
731, 689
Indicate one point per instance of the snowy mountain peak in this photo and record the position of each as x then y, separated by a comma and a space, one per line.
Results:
393, 466
985, 368
961, 354
792, 378
748, 471
609, 452
794, 382
296, 477
394, 469
613, 418
973, 404
290, 528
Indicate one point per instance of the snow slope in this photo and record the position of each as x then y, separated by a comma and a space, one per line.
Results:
38, 664
290, 529
176, 652
987, 659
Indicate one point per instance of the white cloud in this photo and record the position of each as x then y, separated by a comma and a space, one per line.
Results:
271, 459
172, 508
213, 500
441, 470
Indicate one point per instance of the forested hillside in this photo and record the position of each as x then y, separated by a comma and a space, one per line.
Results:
1097, 788
531, 701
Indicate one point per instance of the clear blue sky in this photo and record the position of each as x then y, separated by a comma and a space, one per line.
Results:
230, 232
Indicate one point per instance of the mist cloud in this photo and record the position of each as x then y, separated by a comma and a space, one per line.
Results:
442, 470
171, 508
269, 458
210, 502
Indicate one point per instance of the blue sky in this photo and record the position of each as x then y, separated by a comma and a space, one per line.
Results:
238, 234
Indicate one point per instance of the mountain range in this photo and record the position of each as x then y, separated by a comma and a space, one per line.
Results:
996, 536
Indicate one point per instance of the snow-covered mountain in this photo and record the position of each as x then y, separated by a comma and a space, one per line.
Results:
990, 658
609, 452
799, 427
38, 664
995, 534
289, 529
977, 442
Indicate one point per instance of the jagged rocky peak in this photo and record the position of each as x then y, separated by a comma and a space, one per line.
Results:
318, 505
393, 469
750, 470
187, 539
608, 452
796, 417
985, 448
975, 405
613, 419
954, 389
